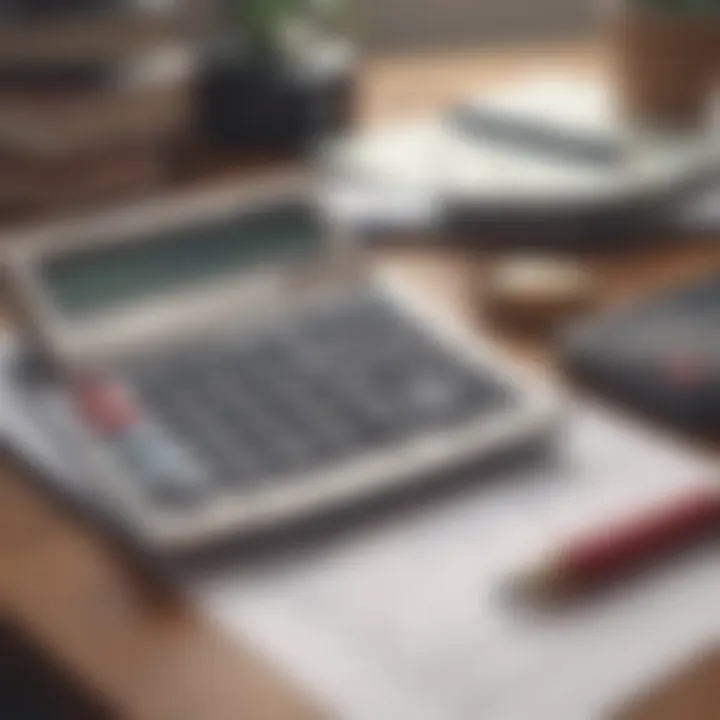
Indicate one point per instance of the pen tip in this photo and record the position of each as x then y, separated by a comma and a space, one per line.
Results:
536, 586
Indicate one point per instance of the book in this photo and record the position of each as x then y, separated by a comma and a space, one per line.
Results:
146, 97
39, 188
81, 29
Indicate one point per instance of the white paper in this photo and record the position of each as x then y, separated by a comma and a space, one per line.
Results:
404, 620
426, 159
428, 155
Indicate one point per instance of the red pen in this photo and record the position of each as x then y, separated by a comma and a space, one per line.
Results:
599, 558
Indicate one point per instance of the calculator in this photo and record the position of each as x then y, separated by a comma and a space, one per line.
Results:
226, 363
657, 354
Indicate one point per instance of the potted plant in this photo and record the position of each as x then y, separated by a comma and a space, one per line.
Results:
282, 74
666, 53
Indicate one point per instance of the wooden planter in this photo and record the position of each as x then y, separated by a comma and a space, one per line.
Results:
666, 65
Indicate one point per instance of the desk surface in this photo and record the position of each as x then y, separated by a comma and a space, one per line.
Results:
151, 656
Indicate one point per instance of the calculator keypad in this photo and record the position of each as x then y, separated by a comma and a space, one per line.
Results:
330, 385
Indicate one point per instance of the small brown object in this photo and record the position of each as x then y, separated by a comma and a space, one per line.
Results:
664, 66
535, 293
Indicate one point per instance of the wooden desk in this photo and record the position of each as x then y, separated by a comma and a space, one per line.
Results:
151, 657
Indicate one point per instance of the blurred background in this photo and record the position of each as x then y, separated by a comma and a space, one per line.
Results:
106, 102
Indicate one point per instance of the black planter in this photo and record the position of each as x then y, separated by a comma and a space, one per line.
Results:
263, 107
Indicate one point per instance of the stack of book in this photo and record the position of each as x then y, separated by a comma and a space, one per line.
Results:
93, 96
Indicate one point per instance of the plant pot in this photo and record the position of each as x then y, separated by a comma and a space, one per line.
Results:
263, 107
665, 66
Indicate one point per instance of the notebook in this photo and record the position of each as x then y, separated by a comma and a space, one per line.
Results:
547, 146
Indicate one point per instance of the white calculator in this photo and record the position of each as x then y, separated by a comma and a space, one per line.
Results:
222, 364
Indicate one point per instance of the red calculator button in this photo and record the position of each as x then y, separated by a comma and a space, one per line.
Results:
106, 406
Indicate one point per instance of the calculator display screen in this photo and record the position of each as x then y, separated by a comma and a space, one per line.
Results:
105, 277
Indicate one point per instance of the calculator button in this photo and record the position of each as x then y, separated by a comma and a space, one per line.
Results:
168, 471
222, 443
105, 406
338, 382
